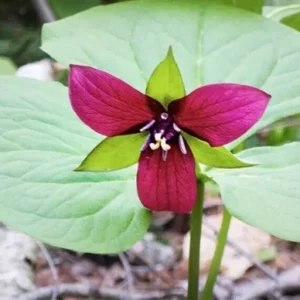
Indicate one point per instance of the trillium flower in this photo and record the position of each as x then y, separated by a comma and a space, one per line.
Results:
166, 179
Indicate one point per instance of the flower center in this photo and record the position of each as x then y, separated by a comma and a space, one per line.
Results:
162, 132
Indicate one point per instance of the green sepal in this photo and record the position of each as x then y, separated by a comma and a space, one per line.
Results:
165, 83
218, 157
203, 177
114, 153
292, 21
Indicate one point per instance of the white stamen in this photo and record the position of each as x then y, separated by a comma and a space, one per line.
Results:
164, 145
157, 136
147, 126
176, 128
182, 144
155, 146
146, 143
164, 116
164, 155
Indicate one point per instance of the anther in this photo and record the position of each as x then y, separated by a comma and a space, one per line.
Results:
164, 116
181, 144
157, 136
147, 126
176, 128
164, 155
155, 146
164, 144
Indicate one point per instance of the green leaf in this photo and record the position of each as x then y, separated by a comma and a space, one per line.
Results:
253, 5
165, 83
41, 143
116, 39
218, 157
114, 153
65, 8
266, 196
281, 135
292, 21
7, 67
281, 2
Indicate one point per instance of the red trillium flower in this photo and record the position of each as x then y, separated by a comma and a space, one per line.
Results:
166, 179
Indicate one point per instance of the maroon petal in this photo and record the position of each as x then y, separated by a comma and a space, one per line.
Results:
107, 104
167, 185
220, 113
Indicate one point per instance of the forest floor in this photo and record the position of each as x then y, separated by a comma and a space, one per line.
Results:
255, 265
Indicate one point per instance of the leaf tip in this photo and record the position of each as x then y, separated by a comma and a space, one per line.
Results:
170, 52
80, 168
247, 165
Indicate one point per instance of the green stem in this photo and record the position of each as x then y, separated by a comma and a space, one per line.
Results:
194, 258
216, 262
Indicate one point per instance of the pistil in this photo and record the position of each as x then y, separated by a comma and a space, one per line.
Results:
163, 131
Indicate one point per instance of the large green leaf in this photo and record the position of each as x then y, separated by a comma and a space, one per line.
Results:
251, 5
267, 195
292, 21
165, 83
114, 153
7, 67
41, 143
213, 43
65, 8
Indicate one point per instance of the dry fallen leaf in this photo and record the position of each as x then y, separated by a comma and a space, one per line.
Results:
16, 272
154, 252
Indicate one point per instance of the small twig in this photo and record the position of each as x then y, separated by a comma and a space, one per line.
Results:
128, 271
44, 10
265, 269
288, 281
85, 290
52, 268
153, 269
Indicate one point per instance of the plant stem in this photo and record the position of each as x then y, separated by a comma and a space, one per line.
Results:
216, 262
195, 235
